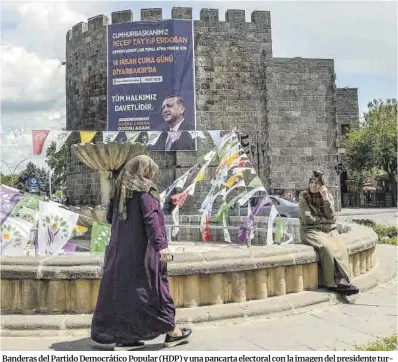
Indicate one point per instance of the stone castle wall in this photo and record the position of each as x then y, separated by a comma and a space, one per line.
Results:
286, 106
302, 121
347, 106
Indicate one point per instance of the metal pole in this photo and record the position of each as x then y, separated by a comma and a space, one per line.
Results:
9, 169
12, 173
49, 181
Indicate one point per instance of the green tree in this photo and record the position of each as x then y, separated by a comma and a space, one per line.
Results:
32, 171
374, 143
9, 180
57, 163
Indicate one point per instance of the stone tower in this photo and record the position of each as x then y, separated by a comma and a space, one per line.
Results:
289, 107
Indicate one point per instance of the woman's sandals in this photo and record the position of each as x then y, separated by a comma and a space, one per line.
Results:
175, 341
345, 289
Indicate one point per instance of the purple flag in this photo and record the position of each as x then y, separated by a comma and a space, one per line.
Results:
248, 223
9, 198
69, 248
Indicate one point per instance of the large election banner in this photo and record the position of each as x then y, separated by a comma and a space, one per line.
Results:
151, 84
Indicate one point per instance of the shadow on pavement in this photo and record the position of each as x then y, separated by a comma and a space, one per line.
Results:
84, 344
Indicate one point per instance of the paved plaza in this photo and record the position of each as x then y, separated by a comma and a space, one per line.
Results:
328, 326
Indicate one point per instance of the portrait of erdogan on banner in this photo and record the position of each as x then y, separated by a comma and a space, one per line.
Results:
175, 135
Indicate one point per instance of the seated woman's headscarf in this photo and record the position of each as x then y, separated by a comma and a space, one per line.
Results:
138, 175
318, 177
315, 200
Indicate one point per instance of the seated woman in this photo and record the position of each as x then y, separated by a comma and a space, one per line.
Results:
318, 228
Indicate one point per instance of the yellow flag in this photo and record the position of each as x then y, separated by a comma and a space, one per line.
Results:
87, 136
232, 179
80, 229
232, 158
201, 174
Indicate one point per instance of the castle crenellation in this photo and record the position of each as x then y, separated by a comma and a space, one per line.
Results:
209, 17
289, 107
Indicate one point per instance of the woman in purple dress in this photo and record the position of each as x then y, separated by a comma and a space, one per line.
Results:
134, 301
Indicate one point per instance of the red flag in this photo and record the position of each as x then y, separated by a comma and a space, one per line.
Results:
38, 138
179, 199
205, 230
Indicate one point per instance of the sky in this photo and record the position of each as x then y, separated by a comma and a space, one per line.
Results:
361, 36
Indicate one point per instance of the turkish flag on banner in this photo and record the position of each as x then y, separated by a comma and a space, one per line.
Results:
38, 138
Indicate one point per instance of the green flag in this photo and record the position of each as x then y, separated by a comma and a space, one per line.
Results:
279, 229
28, 214
256, 182
100, 234
28, 200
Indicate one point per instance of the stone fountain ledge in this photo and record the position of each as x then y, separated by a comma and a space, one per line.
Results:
199, 276
79, 324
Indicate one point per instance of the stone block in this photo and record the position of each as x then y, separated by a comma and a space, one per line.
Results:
79, 29
123, 16
235, 16
181, 13
238, 287
362, 262
216, 288
191, 291
280, 281
154, 14
97, 22
261, 18
209, 15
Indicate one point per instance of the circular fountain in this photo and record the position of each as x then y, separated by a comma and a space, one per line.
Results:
201, 274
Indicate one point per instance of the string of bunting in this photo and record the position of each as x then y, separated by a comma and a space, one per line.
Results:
39, 137
55, 225
233, 173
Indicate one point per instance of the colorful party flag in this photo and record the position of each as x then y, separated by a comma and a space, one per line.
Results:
190, 190
208, 157
201, 174
14, 136
109, 136
175, 214
153, 137
69, 248
28, 200
179, 199
233, 179
87, 136
279, 229
256, 182
227, 237
80, 229
233, 157
215, 136
56, 227
60, 139
132, 136
204, 227
162, 198
241, 183
27, 214
100, 235
38, 138
15, 236
9, 199
273, 213
196, 134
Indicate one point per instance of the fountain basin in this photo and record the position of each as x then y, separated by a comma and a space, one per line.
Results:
201, 274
